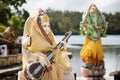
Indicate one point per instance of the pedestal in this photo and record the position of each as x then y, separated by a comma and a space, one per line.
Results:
93, 74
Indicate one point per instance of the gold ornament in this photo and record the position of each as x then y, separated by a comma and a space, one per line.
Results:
44, 18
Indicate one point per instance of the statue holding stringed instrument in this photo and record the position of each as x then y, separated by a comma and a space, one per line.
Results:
43, 58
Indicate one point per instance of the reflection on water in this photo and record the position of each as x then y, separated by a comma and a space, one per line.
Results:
111, 58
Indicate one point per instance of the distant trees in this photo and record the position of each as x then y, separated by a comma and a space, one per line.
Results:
113, 23
62, 22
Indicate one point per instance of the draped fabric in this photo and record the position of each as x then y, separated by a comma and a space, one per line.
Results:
92, 52
39, 46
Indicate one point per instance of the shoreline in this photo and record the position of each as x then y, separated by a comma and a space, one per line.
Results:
104, 45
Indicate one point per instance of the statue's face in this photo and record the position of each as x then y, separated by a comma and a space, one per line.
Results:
46, 27
93, 10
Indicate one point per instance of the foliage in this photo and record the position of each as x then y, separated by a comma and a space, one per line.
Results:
15, 23
14, 19
2, 28
62, 22
5, 13
15, 3
113, 23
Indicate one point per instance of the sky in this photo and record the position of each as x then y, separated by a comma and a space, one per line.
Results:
108, 6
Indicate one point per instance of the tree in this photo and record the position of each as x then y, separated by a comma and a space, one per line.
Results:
15, 3
14, 19
5, 13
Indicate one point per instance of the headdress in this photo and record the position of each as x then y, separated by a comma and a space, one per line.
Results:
44, 17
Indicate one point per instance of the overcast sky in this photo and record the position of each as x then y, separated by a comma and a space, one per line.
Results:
72, 5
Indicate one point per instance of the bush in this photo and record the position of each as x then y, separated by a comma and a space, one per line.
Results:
2, 28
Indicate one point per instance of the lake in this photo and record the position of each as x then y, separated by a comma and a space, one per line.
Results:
111, 48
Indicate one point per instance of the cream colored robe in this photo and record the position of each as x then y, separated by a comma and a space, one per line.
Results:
39, 47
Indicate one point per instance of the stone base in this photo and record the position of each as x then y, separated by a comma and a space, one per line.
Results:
92, 72
92, 78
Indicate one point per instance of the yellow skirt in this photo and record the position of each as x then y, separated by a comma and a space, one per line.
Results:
92, 52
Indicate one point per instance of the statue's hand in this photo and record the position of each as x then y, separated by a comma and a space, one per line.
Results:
64, 45
26, 41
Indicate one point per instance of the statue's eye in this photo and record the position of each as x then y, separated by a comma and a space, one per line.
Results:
48, 25
44, 26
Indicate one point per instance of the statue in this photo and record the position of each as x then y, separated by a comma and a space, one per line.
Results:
38, 40
94, 26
